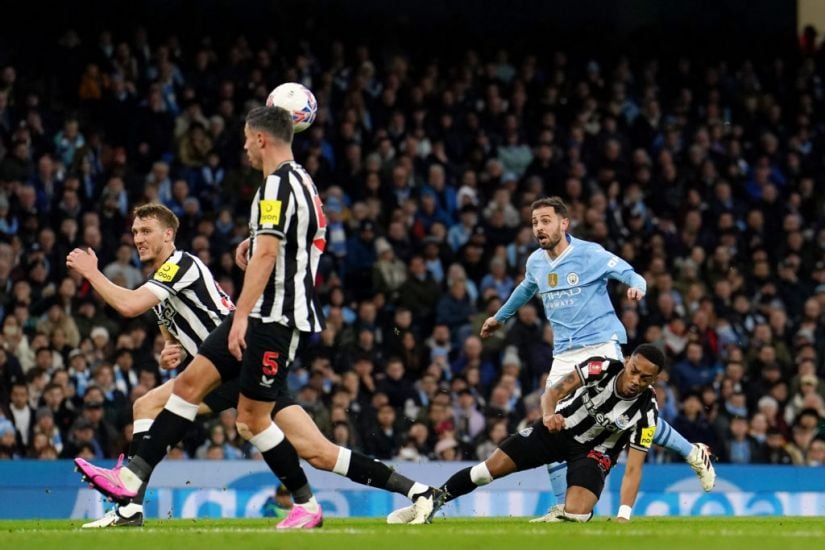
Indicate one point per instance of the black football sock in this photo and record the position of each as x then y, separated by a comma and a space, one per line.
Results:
459, 484
368, 471
134, 444
400, 484
141, 493
282, 459
166, 431
135, 448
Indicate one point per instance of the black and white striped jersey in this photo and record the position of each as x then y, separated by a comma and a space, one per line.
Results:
192, 304
597, 416
288, 206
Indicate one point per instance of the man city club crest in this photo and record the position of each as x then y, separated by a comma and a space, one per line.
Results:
553, 279
572, 279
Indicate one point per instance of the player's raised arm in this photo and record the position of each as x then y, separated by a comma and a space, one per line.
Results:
618, 269
522, 294
129, 303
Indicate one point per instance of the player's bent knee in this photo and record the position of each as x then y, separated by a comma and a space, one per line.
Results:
144, 408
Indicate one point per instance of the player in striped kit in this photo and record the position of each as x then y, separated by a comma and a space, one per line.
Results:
588, 418
188, 304
570, 276
257, 343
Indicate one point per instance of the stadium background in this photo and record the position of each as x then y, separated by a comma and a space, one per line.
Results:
644, 115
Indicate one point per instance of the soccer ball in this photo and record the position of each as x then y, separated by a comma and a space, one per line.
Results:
298, 100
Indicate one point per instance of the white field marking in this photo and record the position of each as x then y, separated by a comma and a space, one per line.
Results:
414, 530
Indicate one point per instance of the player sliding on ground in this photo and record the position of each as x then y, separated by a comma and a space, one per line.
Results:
570, 276
588, 418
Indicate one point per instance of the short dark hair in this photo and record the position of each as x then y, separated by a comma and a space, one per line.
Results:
652, 354
273, 120
156, 210
551, 202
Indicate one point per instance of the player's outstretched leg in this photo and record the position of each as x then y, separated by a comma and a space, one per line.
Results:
697, 455
700, 460
369, 471
324, 455
460, 483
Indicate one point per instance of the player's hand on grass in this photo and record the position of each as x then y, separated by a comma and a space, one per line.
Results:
490, 326
554, 422
237, 336
240, 254
82, 261
171, 356
635, 294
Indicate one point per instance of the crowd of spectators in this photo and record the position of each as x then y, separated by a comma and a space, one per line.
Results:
706, 176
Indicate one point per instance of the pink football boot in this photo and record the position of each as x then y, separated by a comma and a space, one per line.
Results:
106, 481
299, 518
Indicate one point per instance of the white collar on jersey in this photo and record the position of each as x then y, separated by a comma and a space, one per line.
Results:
552, 262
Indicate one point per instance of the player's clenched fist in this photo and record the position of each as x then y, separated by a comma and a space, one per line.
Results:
554, 422
82, 261
171, 356
490, 326
635, 294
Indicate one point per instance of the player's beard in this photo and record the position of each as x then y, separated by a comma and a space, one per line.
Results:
552, 241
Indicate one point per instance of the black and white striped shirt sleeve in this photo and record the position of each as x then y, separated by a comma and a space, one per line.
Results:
594, 369
175, 275
275, 205
641, 436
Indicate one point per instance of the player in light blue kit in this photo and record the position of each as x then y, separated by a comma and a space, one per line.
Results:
570, 276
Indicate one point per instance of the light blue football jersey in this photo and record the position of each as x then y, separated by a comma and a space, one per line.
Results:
573, 289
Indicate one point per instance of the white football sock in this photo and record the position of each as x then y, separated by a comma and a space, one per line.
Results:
416, 489
310, 506
129, 510
130, 480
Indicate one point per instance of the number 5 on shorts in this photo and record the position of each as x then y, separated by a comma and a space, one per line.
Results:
270, 363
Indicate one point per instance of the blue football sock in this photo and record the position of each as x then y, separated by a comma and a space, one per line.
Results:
672, 440
558, 480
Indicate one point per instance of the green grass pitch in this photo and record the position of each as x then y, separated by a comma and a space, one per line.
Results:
753, 533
